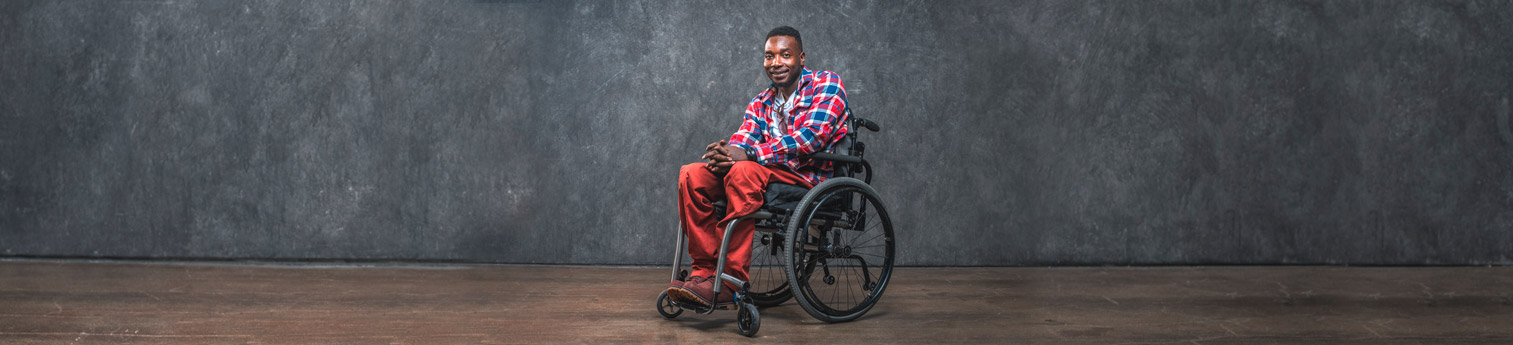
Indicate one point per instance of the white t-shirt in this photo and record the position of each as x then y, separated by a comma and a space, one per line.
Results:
787, 111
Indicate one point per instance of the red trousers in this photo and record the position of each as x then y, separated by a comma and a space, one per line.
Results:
742, 187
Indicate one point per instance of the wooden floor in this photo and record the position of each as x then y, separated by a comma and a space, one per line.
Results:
74, 302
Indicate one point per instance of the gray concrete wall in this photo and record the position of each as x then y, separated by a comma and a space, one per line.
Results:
1016, 133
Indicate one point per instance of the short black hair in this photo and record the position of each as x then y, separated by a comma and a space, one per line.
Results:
787, 31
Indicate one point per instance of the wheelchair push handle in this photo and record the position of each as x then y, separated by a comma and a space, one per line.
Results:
865, 123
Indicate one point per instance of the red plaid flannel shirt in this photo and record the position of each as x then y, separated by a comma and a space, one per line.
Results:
817, 121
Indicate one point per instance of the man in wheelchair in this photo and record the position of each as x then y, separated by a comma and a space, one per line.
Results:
801, 113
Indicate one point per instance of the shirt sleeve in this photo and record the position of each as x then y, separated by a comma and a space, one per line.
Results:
813, 128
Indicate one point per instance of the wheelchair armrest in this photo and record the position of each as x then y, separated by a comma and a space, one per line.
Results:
826, 156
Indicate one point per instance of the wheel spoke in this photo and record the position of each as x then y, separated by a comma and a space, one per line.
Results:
869, 239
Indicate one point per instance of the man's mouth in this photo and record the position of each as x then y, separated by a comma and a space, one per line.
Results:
779, 75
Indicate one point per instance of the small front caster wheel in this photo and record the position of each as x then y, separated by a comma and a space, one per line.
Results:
666, 308
748, 320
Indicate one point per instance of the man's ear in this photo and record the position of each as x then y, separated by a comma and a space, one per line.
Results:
801, 59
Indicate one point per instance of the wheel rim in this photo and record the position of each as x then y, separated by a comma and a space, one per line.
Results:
845, 273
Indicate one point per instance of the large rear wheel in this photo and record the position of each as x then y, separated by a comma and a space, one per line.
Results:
839, 256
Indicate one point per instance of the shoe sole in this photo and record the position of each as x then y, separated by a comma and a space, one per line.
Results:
681, 294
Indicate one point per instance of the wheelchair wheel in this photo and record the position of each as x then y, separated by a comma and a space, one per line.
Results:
769, 281
748, 320
840, 261
666, 308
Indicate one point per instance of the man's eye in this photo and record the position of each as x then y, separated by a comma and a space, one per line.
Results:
787, 56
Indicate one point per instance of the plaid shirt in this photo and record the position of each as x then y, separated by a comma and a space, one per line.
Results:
817, 121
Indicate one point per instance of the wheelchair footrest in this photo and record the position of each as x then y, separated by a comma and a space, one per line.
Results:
697, 309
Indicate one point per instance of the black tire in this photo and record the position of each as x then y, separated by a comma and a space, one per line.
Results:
666, 308
769, 281
841, 276
748, 320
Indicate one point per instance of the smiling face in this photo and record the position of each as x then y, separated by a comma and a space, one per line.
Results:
783, 59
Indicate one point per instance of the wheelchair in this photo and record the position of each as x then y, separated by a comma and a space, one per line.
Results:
829, 247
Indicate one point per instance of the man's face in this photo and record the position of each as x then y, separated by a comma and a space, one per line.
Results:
783, 59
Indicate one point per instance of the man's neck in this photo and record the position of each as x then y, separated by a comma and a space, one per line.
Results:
784, 91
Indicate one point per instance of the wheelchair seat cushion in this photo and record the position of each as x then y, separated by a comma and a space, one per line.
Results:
786, 197
783, 196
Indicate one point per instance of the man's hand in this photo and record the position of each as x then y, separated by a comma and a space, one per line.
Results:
736, 153
716, 159
714, 145
719, 156
715, 153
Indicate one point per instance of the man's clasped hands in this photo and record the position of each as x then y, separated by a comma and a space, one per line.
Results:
719, 156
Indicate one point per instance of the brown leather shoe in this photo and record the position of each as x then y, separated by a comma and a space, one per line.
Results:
702, 292
691, 293
678, 284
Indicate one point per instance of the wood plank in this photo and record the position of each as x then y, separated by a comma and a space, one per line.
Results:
48, 302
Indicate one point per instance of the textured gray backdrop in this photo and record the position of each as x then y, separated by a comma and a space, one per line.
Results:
1015, 132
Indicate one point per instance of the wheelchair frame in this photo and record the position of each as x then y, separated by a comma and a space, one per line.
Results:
847, 166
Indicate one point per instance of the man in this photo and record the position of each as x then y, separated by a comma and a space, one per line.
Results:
800, 113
